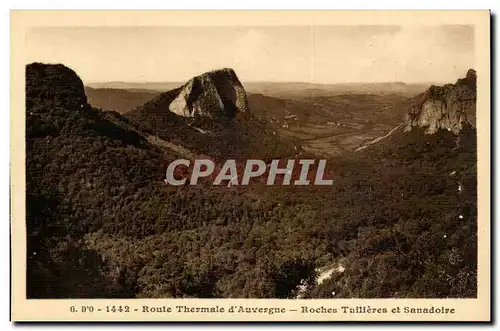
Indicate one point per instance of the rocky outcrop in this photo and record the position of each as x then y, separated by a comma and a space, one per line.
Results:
212, 94
449, 107
53, 84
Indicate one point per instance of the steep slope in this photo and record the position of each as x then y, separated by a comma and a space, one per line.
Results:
89, 175
413, 231
447, 107
102, 223
81, 167
210, 115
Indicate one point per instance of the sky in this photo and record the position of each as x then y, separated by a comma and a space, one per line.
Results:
317, 54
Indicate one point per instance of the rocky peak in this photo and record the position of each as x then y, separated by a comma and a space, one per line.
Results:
212, 94
471, 73
53, 84
447, 107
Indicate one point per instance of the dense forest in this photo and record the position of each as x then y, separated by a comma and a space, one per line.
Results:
102, 223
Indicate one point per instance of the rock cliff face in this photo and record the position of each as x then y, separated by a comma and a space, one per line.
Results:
447, 107
212, 94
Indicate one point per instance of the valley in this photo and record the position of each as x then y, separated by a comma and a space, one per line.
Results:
327, 123
102, 223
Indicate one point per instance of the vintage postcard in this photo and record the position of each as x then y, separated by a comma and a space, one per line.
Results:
250, 166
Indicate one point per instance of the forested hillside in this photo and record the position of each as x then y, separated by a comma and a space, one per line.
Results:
102, 223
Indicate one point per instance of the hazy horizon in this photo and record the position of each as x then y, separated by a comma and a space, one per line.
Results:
289, 54
270, 82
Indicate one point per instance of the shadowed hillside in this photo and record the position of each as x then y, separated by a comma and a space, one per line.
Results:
400, 216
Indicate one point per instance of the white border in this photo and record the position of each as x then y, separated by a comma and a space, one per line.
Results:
200, 4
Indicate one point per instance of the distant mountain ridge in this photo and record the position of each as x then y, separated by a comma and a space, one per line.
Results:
286, 89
